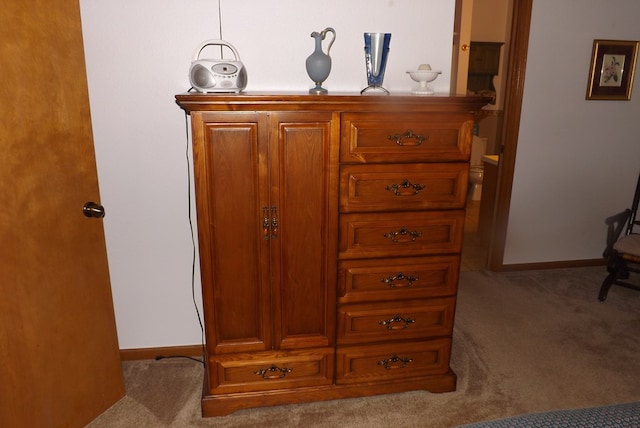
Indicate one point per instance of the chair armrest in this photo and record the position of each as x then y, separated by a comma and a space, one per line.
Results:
615, 225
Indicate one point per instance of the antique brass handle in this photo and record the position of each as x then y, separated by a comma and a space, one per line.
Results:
273, 372
403, 235
274, 222
390, 280
408, 135
395, 362
265, 222
405, 188
269, 222
397, 323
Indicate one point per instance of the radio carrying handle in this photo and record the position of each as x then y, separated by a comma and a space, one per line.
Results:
216, 42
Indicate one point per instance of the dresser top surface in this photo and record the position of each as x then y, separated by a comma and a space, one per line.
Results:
194, 101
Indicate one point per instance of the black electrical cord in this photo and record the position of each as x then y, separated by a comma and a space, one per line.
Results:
193, 257
193, 238
163, 357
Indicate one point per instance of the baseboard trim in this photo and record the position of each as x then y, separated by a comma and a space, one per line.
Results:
552, 265
168, 351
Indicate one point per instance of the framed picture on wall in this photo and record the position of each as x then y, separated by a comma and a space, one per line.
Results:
613, 65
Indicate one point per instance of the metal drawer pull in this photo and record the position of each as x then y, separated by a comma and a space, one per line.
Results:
273, 372
269, 224
396, 323
405, 188
395, 362
265, 222
408, 135
403, 235
390, 280
274, 222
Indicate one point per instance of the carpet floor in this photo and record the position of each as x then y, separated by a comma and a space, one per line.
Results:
524, 342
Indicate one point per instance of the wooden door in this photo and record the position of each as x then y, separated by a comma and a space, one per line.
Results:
266, 202
461, 46
230, 160
303, 153
59, 358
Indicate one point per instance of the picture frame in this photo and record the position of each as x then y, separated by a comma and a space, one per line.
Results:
613, 66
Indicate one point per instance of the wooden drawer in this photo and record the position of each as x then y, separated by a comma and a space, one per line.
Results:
270, 370
405, 137
379, 363
403, 187
394, 279
401, 320
400, 234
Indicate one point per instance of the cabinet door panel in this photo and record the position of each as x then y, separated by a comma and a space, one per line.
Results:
484, 58
230, 197
303, 256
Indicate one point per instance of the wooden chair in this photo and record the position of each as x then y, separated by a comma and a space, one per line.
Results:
623, 250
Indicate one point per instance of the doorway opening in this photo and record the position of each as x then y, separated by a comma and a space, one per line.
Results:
504, 22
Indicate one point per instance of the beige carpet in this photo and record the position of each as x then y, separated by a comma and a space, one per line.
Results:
523, 342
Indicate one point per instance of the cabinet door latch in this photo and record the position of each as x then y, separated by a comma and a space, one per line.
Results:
269, 223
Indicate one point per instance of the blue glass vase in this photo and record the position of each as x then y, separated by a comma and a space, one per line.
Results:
376, 52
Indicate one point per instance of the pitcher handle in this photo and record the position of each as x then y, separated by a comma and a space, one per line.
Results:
333, 39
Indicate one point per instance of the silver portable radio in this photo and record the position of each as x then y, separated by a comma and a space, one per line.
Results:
217, 75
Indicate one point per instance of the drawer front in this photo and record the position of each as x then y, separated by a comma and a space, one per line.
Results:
400, 234
405, 137
380, 363
394, 279
270, 370
403, 187
376, 322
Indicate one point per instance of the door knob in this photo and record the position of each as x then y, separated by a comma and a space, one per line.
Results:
464, 48
93, 210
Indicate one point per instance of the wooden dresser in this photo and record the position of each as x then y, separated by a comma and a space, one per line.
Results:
330, 230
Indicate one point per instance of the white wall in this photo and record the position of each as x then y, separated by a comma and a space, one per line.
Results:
577, 160
138, 54
274, 40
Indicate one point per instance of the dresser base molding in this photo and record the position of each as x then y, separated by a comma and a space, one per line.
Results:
225, 404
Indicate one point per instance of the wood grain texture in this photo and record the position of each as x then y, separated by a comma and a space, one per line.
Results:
331, 229
58, 344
